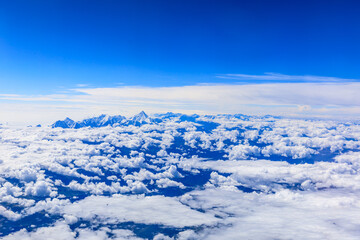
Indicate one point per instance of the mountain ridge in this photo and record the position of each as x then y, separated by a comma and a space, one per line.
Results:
142, 118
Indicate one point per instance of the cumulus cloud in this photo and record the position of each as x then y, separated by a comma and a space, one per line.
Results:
283, 215
205, 178
150, 210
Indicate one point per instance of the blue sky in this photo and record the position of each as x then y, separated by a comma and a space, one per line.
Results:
52, 47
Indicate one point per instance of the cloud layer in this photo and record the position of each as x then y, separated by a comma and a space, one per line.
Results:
331, 99
182, 177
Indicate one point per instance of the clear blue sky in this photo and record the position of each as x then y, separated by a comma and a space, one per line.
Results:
46, 46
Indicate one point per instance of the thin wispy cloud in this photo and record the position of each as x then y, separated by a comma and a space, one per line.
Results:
82, 85
269, 76
311, 99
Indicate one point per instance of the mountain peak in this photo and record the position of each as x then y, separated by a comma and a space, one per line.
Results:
142, 113
67, 123
140, 116
68, 119
100, 121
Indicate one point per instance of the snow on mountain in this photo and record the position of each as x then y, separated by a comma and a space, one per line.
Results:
67, 123
142, 118
100, 121
137, 120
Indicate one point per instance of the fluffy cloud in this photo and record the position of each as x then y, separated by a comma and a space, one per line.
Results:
149, 210
206, 177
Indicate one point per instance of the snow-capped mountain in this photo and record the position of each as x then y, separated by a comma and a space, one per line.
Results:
106, 120
100, 121
67, 123
142, 118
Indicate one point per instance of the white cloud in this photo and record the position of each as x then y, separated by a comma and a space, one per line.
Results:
9, 214
60, 231
283, 77
149, 210
165, 183
334, 99
291, 200
283, 215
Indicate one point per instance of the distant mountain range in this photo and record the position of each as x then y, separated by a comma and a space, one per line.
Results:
138, 120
